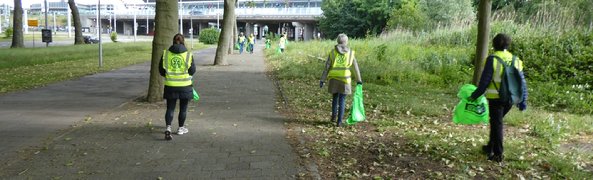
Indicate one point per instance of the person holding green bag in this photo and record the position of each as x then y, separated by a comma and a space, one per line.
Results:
337, 71
177, 66
490, 83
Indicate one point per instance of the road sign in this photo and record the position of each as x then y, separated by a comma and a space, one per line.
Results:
33, 22
46, 35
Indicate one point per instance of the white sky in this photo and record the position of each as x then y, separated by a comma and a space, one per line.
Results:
27, 3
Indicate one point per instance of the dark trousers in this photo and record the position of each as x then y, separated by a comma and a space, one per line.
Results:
497, 112
338, 106
171, 103
250, 48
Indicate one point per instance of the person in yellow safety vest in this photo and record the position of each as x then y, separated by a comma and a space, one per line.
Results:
282, 43
177, 66
241, 42
337, 70
251, 40
489, 81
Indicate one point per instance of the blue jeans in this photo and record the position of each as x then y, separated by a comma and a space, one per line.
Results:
251, 48
241, 45
338, 106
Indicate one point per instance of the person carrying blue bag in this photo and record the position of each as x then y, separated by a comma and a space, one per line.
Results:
504, 85
337, 70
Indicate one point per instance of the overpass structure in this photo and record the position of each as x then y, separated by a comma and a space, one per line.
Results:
296, 18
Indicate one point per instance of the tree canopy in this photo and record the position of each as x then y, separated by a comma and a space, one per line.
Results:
356, 18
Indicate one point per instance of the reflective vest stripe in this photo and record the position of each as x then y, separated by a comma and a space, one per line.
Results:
187, 55
494, 86
166, 59
340, 70
176, 74
178, 79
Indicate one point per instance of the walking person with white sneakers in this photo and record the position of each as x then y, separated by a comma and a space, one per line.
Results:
177, 67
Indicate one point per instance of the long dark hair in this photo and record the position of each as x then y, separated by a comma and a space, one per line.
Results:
178, 39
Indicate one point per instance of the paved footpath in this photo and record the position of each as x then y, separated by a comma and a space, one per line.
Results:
91, 128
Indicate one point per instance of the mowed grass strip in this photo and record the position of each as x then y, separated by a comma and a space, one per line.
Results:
33, 67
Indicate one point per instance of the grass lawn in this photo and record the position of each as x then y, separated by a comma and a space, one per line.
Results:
33, 67
409, 132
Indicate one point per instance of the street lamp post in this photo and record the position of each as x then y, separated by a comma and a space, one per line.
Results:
217, 16
180, 17
135, 23
100, 41
69, 21
47, 43
55, 25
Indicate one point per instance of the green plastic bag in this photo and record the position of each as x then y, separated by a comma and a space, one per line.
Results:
470, 112
196, 96
237, 46
357, 112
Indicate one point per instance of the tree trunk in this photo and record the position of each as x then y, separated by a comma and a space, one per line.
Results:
483, 36
235, 37
17, 26
227, 32
77, 25
166, 27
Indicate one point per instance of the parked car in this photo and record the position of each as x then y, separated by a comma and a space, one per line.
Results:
90, 40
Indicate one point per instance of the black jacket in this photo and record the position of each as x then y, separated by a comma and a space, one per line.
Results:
177, 92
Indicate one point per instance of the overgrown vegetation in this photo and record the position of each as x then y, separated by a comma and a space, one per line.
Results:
209, 36
411, 77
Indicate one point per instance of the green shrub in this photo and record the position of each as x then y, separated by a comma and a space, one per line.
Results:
209, 36
113, 36
8, 32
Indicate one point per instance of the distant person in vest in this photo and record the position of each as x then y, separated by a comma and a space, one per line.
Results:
337, 71
282, 43
177, 67
490, 82
241, 42
251, 40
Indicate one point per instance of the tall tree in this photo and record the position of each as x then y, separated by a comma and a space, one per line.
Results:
356, 18
77, 25
17, 27
483, 32
166, 26
235, 36
227, 32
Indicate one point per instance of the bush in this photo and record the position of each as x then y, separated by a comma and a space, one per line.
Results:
113, 36
209, 36
8, 32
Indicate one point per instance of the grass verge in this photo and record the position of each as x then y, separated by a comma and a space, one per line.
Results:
33, 67
408, 132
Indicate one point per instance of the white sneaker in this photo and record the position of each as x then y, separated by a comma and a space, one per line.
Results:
168, 128
182, 130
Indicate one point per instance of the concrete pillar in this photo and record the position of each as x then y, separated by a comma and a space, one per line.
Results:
248, 27
309, 32
128, 28
260, 31
298, 28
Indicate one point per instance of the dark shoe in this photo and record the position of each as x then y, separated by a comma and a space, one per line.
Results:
168, 135
496, 158
486, 150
